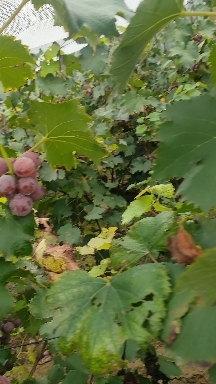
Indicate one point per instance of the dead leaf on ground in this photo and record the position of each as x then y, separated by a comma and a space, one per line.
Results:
182, 248
55, 259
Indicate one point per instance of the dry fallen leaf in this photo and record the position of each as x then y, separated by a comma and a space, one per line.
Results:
182, 248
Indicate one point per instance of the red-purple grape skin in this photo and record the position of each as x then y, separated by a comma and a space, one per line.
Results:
34, 157
8, 327
24, 167
12, 160
21, 205
3, 166
7, 185
26, 185
4, 380
16, 322
38, 193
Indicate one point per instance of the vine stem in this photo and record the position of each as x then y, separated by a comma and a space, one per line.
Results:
37, 145
6, 158
38, 357
12, 17
196, 14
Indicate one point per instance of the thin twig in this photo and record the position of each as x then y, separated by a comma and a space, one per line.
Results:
38, 358
90, 379
12, 17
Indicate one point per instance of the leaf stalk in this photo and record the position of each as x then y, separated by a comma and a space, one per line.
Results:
197, 14
6, 158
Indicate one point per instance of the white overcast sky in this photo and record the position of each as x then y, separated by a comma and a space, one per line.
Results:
132, 4
44, 33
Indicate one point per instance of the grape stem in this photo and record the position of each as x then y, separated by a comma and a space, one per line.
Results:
37, 145
6, 158
38, 358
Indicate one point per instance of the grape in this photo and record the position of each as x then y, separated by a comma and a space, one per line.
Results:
21, 205
26, 185
7, 185
8, 327
38, 193
5, 339
3, 166
16, 322
34, 157
4, 380
24, 167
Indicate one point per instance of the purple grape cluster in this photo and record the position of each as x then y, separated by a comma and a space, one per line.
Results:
6, 328
22, 189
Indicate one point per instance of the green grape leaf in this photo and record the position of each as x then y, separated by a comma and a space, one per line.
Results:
16, 234
169, 368
64, 128
76, 377
198, 327
188, 53
93, 61
51, 52
151, 16
202, 231
51, 85
212, 63
15, 62
7, 301
199, 278
137, 208
177, 308
48, 67
212, 374
74, 16
188, 149
71, 63
56, 374
95, 317
69, 234
95, 214
147, 236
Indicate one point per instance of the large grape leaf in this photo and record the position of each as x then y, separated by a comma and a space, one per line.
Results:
197, 341
73, 15
15, 234
14, 63
6, 299
151, 16
199, 278
147, 236
194, 286
212, 62
64, 128
188, 149
95, 317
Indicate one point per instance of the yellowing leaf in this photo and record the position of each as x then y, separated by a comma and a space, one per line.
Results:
102, 241
54, 265
39, 251
165, 190
137, 208
98, 270
160, 208
31, 355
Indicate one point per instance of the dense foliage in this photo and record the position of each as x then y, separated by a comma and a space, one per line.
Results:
114, 248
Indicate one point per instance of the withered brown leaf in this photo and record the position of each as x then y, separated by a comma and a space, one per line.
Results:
182, 248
